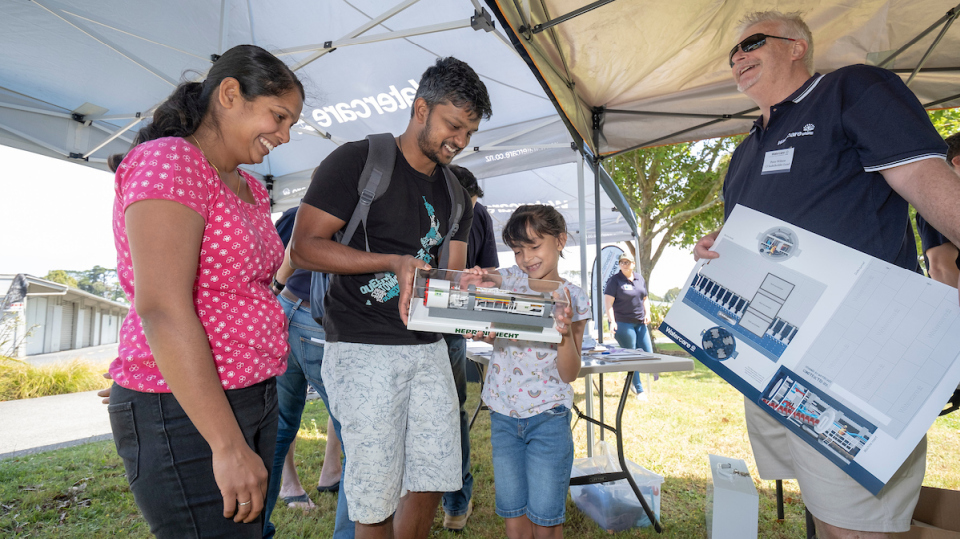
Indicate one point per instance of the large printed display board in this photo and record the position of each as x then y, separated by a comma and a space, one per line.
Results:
854, 355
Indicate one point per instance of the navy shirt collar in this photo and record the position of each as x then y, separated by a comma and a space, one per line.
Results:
802, 92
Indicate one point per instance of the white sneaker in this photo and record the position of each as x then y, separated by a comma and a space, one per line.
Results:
642, 397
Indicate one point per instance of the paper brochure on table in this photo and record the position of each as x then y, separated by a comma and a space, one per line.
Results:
854, 355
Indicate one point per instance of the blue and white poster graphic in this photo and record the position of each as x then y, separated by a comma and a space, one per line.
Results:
852, 354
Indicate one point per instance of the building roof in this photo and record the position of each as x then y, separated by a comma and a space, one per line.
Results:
37, 287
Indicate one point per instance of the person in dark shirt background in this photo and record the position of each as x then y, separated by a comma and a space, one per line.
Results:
628, 312
481, 251
303, 367
482, 245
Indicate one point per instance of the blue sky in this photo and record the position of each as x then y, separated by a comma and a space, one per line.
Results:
56, 215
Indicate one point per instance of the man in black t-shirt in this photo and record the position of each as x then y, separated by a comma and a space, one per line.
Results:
392, 389
941, 254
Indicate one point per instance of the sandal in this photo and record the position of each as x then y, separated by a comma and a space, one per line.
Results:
302, 501
329, 488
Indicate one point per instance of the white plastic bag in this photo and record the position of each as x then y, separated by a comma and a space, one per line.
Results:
614, 505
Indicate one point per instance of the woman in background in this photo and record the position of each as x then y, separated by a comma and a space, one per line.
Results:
628, 312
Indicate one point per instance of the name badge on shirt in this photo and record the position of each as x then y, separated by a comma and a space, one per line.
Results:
777, 161
628, 287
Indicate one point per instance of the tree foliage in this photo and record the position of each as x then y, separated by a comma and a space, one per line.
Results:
98, 280
62, 277
672, 294
674, 192
947, 121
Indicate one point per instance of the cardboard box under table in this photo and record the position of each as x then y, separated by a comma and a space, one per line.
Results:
937, 515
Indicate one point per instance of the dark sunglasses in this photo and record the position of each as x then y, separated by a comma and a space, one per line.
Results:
753, 43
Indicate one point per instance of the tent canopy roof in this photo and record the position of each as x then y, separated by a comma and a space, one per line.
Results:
661, 73
76, 73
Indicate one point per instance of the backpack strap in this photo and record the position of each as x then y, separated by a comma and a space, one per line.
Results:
457, 205
374, 181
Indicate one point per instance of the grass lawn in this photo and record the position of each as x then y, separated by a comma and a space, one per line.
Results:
82, 492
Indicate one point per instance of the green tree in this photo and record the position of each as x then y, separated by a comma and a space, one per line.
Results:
675, 193
98, 280
947, 121
672, 294
62, 277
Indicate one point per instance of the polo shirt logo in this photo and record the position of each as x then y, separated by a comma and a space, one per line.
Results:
807, 131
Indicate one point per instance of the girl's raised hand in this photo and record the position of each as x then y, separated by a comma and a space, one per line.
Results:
562, 316
476, 276
564, 320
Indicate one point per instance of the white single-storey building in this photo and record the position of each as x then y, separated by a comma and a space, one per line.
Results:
38, 316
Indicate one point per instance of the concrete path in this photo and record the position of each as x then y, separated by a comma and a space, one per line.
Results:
98, 355
45, 423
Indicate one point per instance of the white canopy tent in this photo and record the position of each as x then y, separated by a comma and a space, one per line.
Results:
78, 78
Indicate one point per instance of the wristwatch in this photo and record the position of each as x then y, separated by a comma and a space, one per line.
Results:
278, 286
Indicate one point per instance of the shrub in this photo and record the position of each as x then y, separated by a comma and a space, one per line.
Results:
21, 380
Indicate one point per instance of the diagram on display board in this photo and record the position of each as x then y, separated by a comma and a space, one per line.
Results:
854, 355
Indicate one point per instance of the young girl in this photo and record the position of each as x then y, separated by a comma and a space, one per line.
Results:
528, 390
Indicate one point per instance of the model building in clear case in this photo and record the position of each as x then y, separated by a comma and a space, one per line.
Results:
447, 301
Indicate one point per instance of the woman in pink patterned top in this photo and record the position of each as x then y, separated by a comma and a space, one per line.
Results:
194, 406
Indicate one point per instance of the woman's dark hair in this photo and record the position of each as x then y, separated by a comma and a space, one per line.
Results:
451, 80
541, 219
258, 72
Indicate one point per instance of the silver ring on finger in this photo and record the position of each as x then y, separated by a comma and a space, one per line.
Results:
244, 503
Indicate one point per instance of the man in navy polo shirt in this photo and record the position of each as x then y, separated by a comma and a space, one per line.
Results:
943, 257
854, 146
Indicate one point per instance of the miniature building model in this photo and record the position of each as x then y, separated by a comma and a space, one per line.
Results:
445, 303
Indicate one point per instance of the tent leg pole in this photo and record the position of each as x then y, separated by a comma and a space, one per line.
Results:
588, 381
598, 279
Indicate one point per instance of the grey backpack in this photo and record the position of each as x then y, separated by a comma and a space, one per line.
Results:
374, 182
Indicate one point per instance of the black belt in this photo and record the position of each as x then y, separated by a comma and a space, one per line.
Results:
293, 297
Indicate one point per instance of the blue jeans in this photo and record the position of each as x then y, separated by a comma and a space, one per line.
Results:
634, 336
303, 367
532, 458
169, 464
456, 503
